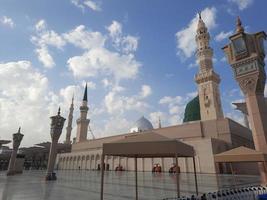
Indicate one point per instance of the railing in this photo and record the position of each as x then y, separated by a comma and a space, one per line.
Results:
245, 193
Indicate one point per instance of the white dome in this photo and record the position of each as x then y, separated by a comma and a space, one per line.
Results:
141, 124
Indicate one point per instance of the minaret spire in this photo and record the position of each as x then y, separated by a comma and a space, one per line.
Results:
85, 93
239, 27
159, 122
83, 122
69, 127
208, 81
58, 112
199, 15
72, 99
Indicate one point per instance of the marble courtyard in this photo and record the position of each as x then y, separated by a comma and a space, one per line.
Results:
118, 186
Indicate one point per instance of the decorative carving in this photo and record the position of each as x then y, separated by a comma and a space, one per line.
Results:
57, 123
205, 94
248, 85
17, 137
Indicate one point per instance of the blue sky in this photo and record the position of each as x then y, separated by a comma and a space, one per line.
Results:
138, 58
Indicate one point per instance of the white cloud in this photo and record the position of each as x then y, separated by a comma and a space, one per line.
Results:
7, 21
236, 116
171, 100
51, 38
91, 85
155, 116
223, 59
175, 109
96, 59
82, 38
223, 35
111, 126
45, 57
77, 4
40, 25
29, 102
192, 94
43, 39
186, 44
194, 64
106, 82
145, 91
94, 5
102, 61
116, 103
125, 44
115, 29
176, 106
25, 102
233, 92
242, 4
129, 44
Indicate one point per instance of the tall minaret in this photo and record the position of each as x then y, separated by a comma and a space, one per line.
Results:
69, 127
208, 81
159, 122
83, 122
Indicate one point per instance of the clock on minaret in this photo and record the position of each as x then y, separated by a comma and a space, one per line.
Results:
246, 55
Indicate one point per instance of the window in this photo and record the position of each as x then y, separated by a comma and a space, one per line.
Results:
239, 46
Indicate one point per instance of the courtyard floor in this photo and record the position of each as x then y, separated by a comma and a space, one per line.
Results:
85, 185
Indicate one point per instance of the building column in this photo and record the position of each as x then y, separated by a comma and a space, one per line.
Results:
162, 165
17, 137
57, 123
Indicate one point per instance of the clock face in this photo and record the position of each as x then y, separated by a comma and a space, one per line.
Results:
239, 46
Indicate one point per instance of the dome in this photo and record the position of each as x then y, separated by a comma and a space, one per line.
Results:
141, 124
192, 110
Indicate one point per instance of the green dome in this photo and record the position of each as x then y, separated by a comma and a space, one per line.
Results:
192, 110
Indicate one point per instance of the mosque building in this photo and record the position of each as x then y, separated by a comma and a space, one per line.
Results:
204, 127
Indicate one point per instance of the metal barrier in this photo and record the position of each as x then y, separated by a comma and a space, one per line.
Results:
245, 193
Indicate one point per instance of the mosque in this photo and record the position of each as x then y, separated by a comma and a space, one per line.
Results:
204, 127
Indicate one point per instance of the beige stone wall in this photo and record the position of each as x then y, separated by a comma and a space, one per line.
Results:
209, 101
89, 160
207, 137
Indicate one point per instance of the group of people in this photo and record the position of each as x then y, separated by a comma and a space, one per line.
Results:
173, 169
156, 168
119, 168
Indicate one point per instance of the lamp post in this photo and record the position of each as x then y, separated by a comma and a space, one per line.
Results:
246, 55
57, 123
17, 137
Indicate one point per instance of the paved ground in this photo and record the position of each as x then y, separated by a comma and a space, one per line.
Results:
85, 185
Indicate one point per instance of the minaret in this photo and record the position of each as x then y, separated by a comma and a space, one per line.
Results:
159, 122
69, 127
208, 81
83, 122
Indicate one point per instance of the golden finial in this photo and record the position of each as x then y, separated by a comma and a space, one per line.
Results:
239, 27
199, 15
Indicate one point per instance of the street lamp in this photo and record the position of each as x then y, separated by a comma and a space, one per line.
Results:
246, 55
57, 123
17, 137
